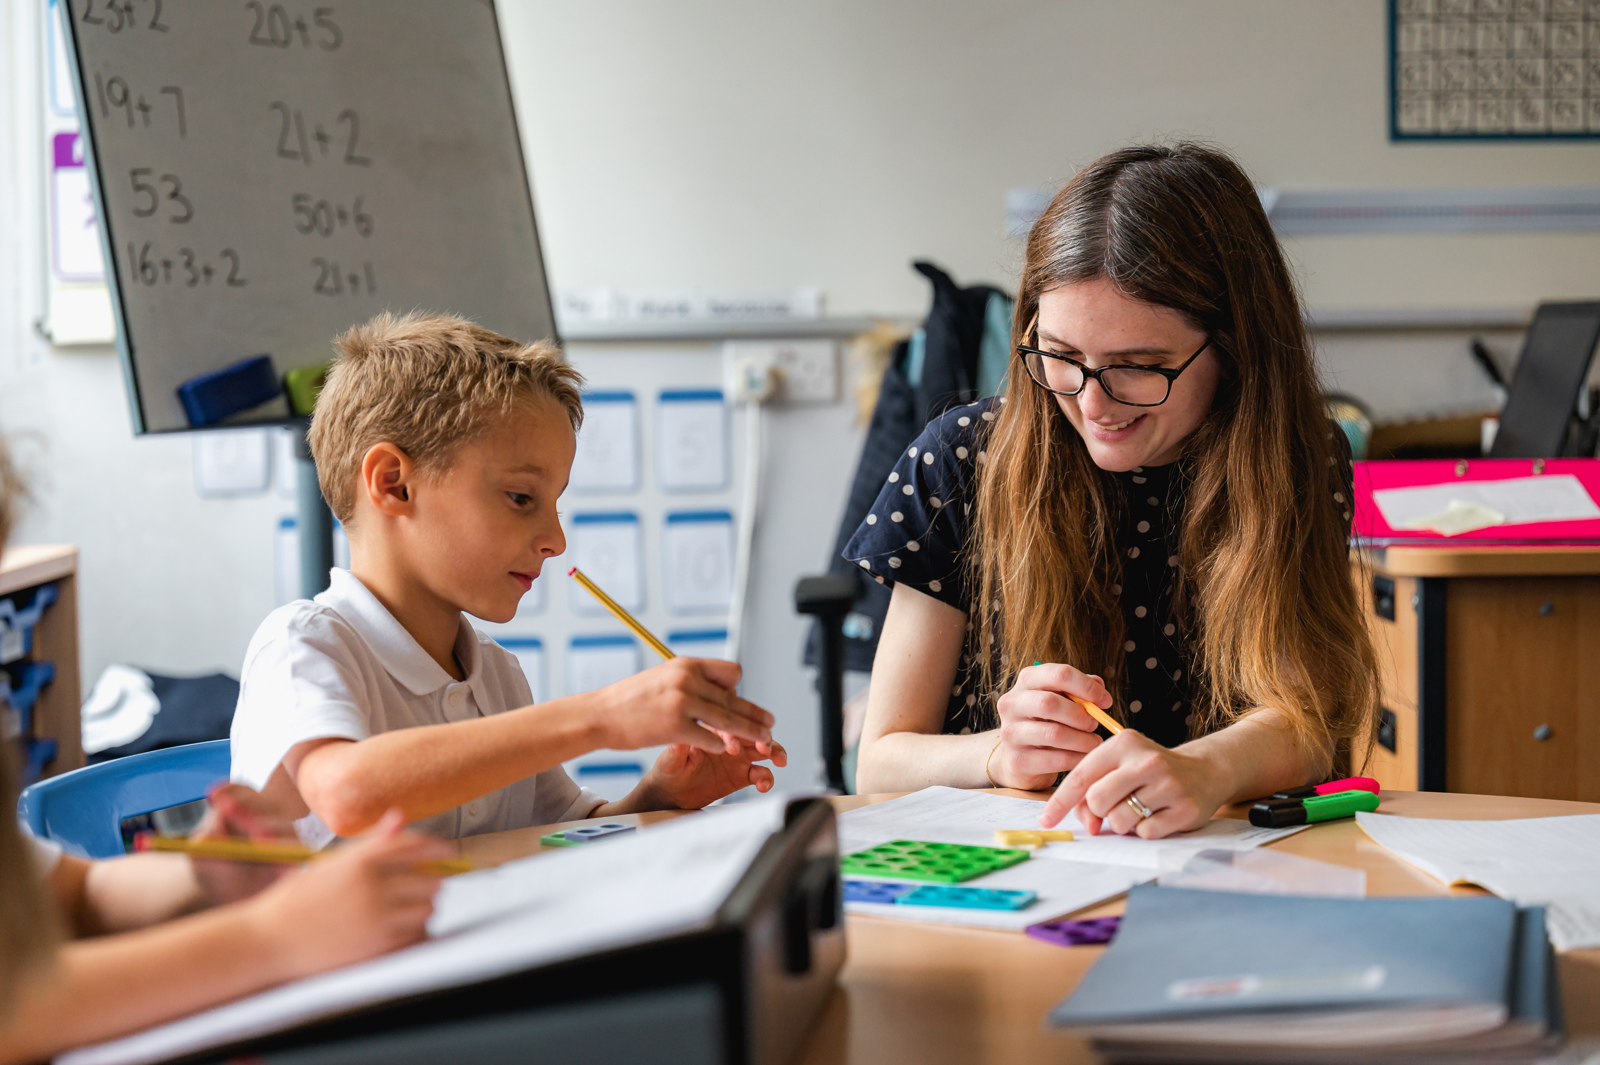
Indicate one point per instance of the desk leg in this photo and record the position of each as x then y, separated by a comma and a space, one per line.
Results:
1431, 694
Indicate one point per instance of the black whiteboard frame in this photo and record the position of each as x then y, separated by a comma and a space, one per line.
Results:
108, 243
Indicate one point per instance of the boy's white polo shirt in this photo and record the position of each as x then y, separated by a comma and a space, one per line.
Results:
340, 665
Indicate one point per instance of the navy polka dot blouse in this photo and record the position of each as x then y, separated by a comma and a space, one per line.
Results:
917, 529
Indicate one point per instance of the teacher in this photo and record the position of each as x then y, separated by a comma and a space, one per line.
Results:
1153, 517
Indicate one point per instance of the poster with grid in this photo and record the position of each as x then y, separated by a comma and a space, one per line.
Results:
1501, 69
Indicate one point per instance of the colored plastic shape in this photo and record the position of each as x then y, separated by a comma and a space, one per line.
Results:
590, 833
83, 810
212, 397
875, 891
967, 898
939, 863
1088, 932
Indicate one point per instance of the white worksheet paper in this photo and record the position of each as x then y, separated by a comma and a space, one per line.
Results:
529, 653
692, 441
1066, 876
607, 459
596, 661
1516, 501
608, 549
708, 643
229, 462
697, 561
1552, 862
517, 916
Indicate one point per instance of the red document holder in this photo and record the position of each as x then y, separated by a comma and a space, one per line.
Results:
1370, 530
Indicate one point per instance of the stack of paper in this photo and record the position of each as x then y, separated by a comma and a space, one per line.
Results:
1537, 861
1066, 876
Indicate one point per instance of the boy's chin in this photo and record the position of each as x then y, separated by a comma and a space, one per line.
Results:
496, 613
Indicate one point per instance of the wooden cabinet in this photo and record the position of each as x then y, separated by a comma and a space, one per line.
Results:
1490, 663
55, 640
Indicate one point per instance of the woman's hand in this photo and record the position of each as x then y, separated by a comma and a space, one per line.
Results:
1181, 789
1042, 732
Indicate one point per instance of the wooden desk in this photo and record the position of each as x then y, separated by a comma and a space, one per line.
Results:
925, 993
1490, 664
55, 716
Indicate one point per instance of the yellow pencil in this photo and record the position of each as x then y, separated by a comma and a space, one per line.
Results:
622, 615
243, 850
1098, 714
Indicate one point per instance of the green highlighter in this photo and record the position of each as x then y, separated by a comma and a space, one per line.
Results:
1286, 813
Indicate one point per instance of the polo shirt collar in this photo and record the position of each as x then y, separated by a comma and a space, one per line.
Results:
395, 648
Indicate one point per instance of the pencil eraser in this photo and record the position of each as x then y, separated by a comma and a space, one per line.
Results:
212, 397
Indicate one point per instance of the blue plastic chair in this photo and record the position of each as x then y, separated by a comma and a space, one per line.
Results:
83, 810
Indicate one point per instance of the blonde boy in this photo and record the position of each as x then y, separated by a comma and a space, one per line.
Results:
442, 448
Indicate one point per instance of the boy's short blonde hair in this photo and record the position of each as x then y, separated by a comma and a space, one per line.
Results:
426, 383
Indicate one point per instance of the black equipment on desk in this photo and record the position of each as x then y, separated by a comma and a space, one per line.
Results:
1539, 420
743, 992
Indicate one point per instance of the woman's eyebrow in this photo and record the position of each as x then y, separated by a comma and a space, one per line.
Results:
1050, 338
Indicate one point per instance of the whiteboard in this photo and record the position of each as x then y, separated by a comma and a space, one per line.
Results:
269, 174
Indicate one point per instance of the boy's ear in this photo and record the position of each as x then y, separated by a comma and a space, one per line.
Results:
387, 477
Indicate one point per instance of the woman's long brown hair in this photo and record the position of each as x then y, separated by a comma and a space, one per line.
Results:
1265, 589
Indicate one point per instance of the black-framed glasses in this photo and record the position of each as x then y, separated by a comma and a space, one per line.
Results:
1132, 386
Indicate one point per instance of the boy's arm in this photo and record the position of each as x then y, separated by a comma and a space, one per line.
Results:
433, 768
344, 909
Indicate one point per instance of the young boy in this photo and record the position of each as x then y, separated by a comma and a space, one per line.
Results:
442, 448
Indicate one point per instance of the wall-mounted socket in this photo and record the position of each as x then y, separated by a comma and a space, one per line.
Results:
808, 370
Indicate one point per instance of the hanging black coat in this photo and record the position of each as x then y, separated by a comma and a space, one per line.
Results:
954, 335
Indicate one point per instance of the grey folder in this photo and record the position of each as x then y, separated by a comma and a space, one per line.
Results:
1186, 954
1209, 977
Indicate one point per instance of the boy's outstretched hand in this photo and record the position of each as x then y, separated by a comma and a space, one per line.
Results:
687, 778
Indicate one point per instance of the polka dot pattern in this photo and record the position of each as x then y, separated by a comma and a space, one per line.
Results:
922, 539
1153, 658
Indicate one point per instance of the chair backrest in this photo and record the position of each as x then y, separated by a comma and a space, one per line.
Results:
83, 810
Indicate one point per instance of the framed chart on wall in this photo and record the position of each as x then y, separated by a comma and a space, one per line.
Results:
266, 175
1494, 69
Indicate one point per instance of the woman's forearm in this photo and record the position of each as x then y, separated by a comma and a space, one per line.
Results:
101, 988
907, 761
1257, 755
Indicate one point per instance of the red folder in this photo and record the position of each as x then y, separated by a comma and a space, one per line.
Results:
1370, 530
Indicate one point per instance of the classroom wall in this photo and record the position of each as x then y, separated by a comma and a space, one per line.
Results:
715, 145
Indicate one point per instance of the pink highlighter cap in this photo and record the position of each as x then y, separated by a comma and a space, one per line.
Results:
1348, 784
